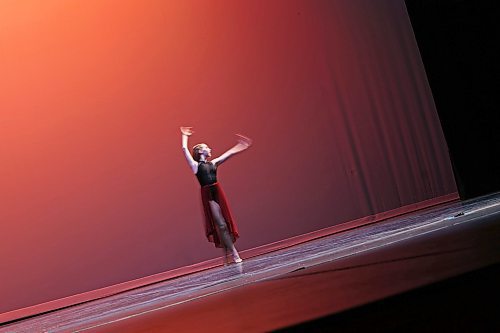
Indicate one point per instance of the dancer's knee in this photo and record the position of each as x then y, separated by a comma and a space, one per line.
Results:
222, 226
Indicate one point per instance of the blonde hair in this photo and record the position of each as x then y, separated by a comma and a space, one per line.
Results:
196, 151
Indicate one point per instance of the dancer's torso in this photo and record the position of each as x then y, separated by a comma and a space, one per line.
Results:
207, 173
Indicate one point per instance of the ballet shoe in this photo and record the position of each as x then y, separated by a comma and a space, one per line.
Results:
237, 260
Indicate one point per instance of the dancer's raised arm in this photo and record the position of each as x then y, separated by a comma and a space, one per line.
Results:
187, 132
243, 144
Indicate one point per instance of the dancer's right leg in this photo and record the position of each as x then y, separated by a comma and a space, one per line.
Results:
223, 231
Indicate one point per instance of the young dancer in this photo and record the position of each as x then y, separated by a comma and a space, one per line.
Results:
220, 227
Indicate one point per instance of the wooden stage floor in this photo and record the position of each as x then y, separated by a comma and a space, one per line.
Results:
431, 270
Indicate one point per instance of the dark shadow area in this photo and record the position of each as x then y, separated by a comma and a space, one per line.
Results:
457, 41
466, 303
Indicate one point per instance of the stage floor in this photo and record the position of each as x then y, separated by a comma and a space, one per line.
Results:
320, 278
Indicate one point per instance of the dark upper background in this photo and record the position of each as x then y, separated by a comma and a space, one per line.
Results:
457, 41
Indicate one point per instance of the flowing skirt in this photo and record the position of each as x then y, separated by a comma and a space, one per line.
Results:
214, 192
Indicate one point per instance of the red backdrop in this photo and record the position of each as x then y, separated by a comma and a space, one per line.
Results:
93, 186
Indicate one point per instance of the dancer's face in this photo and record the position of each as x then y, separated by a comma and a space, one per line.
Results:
206, 151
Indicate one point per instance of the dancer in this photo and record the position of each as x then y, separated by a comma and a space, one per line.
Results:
220, 227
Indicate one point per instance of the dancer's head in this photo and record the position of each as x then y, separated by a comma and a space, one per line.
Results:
201, 149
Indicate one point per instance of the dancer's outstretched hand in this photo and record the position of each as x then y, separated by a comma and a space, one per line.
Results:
186, 130
244, 141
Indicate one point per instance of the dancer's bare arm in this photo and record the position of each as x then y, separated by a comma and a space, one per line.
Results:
243, 144
187, 132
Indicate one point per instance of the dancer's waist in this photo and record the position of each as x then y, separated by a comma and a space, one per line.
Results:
210, 185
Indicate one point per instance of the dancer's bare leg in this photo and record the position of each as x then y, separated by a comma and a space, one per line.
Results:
223, 231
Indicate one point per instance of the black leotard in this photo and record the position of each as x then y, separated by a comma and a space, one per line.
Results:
207, 173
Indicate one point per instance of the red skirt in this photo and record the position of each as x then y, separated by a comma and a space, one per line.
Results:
214, 192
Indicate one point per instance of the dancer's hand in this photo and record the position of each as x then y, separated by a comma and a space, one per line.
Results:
186, 131
244, 141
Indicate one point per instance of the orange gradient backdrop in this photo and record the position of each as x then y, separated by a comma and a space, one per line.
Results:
94, 189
